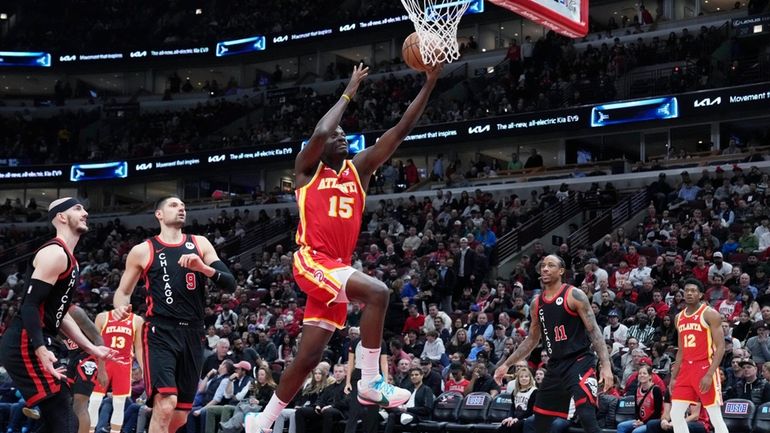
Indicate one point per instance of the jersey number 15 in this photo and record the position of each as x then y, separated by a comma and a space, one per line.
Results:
340, 207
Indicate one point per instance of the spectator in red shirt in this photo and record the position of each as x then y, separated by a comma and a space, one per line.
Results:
414, 321
660, 306
701, 271
456, 380
646, 19
410, 173
632, 257
631, 384
627, 292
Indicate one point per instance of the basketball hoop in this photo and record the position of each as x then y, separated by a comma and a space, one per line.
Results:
436, 23
568, 17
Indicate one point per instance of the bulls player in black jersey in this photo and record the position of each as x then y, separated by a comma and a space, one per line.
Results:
174, 266
27, 348
562, 317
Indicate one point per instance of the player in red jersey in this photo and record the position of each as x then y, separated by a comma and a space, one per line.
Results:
701, 347
330, 194
123, 337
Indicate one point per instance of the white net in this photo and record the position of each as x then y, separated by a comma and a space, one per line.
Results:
436, 23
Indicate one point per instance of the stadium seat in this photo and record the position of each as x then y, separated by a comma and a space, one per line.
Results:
444, 411
472, 410
499, 409
738, 414
762, 420
626, 409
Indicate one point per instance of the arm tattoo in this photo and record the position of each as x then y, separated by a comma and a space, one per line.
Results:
86, 325
592, 328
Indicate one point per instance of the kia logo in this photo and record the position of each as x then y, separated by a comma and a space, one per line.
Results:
347, 27
135, 54
279, 39
144, 166
70, 58
707, 102
216, 158
478, 129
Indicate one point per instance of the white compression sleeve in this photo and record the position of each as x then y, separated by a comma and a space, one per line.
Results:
94, 403
717, 421
118, 407
678, 410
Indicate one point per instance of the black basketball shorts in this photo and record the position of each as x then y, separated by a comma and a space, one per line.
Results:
81, 372
27, 372
173, 358
567, 379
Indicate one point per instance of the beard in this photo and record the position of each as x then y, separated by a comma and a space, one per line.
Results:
75, 226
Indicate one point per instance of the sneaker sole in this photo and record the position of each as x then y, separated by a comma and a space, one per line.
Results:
31, 414
384, 404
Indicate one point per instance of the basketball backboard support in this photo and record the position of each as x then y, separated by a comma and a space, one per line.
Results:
567, 17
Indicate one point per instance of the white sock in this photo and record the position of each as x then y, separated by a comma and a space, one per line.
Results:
94, 403
118, 407
370, 364
717, 421
267, 417
678, 409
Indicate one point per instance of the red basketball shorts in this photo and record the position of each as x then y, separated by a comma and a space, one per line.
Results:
323, 280
119, 379
687, 385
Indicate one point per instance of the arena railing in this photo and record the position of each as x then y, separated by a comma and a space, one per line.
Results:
536, 227
609, 219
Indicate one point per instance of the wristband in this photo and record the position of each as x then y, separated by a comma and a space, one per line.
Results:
345, 97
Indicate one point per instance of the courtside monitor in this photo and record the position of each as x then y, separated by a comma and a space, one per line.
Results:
567, 17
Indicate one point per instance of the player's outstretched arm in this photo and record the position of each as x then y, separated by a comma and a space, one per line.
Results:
84, 323
677, 364
582, 306
208, 264
525, 347
308, 157
371, 159
714, 321
137, 258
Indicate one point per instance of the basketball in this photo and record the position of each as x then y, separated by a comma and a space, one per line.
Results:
410, 52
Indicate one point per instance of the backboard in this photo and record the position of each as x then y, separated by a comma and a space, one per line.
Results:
567, 17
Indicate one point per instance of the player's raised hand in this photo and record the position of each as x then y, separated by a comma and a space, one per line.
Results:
122, 312
435, 71
359, 73
47, 358
607, 379
192, 262
500, 373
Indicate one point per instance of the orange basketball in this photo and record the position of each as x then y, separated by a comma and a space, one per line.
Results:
410, 52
